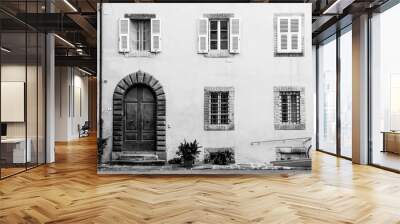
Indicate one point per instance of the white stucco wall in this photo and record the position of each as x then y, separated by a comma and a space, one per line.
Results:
184, 73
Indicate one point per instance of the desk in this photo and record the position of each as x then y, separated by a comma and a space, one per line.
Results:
13, 150
391, 141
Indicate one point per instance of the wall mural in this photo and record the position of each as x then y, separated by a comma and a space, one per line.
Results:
201, 97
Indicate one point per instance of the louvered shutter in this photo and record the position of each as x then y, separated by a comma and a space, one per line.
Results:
282, 34
295, 33
124, 35
203, 36
234, 35
155, 35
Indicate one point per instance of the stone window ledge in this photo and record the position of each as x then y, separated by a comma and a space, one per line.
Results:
218, 54
290, 126
219, 15
143, 54
140, 16
219, 127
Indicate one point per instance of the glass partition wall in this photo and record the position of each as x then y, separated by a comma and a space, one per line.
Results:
22, 95
327, 95
346, 95
334, 111
385, 90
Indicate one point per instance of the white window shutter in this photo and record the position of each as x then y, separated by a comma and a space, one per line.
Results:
124, 35
155, 35
282, 34
203, 36
234, 35
295, 30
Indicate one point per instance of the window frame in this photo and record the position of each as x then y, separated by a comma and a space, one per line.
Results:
140, 24
220, 124
219, 104
300, 35
289, 107
219, 31
289, 124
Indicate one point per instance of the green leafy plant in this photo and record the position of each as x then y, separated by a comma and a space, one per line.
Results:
176, 160
222, 157
188, 151
101, 145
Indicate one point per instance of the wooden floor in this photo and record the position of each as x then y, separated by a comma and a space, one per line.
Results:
386, 159
70, 191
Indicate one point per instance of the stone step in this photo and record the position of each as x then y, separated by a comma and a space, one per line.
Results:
138, 156
139, 163
293, 163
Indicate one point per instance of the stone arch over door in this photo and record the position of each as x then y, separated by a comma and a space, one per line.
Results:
122, 88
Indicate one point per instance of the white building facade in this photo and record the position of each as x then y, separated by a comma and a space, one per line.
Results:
227, 75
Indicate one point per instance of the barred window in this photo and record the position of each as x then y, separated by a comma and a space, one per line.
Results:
218, 108
290, 106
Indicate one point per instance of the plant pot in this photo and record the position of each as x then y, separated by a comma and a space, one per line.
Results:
188, 163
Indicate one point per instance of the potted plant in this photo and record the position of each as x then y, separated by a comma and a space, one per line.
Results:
188, 151
101, 145
175, 162
223, 157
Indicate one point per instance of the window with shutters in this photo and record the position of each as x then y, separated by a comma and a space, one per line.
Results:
218, 108
288, 35
141, 35
289, 108
219, 35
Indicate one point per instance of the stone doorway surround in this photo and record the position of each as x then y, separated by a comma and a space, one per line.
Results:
121, 89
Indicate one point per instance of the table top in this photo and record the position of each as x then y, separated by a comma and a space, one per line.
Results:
13, 140
391, 132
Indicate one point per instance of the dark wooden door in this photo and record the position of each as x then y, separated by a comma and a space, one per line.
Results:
140, 120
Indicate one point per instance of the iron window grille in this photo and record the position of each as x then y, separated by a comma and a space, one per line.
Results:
290, 106
218, 108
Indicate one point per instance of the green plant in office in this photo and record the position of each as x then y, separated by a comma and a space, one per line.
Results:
188, 152
222, 157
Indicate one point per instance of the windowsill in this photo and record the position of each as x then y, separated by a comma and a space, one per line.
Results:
288, 54
290, 126
218, 54
219, 127
139, 54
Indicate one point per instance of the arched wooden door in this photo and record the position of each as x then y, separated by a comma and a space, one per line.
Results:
139, 119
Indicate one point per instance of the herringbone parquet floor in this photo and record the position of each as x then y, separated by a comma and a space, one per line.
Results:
70, 191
